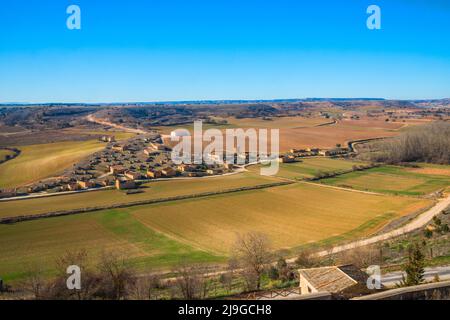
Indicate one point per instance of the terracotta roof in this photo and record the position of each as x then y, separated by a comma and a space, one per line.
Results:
333, 279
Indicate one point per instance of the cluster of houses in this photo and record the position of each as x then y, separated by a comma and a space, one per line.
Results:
122, 165
293, 154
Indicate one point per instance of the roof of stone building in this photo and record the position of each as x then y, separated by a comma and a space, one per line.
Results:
335, 278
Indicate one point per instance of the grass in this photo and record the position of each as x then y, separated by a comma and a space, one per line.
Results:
153, 190
391, 179
200, 230
308, 167
42, 241
119, 135
44, 160
290, 215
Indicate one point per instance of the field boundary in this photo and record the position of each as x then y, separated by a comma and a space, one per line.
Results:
22, 218
16, 151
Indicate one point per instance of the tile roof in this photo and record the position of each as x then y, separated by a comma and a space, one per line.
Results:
333, 279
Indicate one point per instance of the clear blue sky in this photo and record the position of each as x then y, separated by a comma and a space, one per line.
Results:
159, 50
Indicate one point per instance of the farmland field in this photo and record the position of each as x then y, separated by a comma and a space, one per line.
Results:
431, 169
245, 123
153, 190
290, 215
201, 230
40, 242
119, 135
301, 132
391, 179
44, 160
308, 167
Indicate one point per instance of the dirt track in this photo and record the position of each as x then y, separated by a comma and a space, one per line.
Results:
417, 223
91, 118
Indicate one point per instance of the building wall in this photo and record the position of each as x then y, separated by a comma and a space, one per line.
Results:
305, 286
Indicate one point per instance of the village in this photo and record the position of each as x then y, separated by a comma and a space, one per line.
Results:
125, 165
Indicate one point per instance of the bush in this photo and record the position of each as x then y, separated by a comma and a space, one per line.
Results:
428, 233
272, 273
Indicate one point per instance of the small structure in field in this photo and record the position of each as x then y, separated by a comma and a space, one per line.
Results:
180, 133
108, 139
286, 159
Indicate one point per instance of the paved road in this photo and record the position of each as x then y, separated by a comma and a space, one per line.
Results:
55, 194
392, 278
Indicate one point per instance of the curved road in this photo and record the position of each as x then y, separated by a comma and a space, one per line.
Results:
91, 118
419, 222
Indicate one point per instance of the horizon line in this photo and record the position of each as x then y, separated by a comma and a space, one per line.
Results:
215, 101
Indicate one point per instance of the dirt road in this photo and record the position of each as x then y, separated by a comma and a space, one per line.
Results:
417, 223
91, 118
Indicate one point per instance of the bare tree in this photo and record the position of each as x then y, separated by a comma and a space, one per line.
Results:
252, 250
306, 259
429, 143
360, 257
116, 276
34, 283
90, 280
146, 287
228, 276
191, 281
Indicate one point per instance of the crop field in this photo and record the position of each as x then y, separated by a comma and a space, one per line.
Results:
40, 242
278, 123
201, 230
152, 190
119, 135
330, 135
257, 123
300, 132
391, 179
290, 215
308, 167
431, 169
44, 160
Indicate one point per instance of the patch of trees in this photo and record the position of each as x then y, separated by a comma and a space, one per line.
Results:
331, 174
429, 143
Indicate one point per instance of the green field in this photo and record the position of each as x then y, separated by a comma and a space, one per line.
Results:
153, 190
203, 229
40, 242
308, 167
290, 215
393, 180
44, 160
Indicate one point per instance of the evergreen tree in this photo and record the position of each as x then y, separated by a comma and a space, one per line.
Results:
414, 268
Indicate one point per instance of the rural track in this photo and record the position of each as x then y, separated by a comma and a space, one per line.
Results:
419, 222
92, 118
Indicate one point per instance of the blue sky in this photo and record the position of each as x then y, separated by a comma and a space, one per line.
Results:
160, 50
